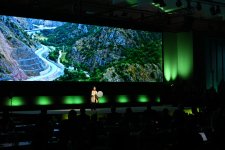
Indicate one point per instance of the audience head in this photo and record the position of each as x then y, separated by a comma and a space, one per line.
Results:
82, 111
72, 114
113, 109
5, 114
165, 111
44, 111
128, 110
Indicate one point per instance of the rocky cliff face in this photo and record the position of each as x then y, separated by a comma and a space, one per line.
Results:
101, 51
18, 60
133, 73
110, 48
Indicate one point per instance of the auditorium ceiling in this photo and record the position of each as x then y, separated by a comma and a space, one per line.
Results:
157, 15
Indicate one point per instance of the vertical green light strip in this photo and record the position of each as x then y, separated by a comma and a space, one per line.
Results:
70, 100
185, 54
174, 67
170, 56
178, 55
122, 99
143, 99
15, 101
43, 100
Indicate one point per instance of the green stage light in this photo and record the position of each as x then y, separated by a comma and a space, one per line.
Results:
143, 99
122, 99
188, 111
43, 100
158, 100
15, 101
103, 100
64, 116
70, 100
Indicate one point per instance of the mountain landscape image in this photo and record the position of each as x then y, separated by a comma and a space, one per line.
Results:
44, 50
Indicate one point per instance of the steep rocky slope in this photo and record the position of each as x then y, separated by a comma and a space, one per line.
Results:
107, 54
126, 54
18, 60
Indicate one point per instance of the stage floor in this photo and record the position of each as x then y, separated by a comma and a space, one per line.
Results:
98, 110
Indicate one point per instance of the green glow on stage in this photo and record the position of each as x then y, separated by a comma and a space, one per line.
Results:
170, 71
167, 73
43, 100
143, 99
103, 100
122, 99
69, 100
15, 101
170, 56
174, 72
64, 116
188, 111
178, 55
158, 100
185, 54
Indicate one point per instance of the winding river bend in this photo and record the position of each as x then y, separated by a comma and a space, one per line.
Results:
53, 70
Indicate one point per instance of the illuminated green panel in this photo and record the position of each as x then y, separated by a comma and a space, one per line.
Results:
122, 99
143, 98
69, 100
185, 54
158, 100
43, 100
170, 56
15, 101
103, 100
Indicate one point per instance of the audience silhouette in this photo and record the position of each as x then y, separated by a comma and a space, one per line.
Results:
152, 128
42, 132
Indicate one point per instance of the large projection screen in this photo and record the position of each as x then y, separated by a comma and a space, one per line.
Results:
47, 50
